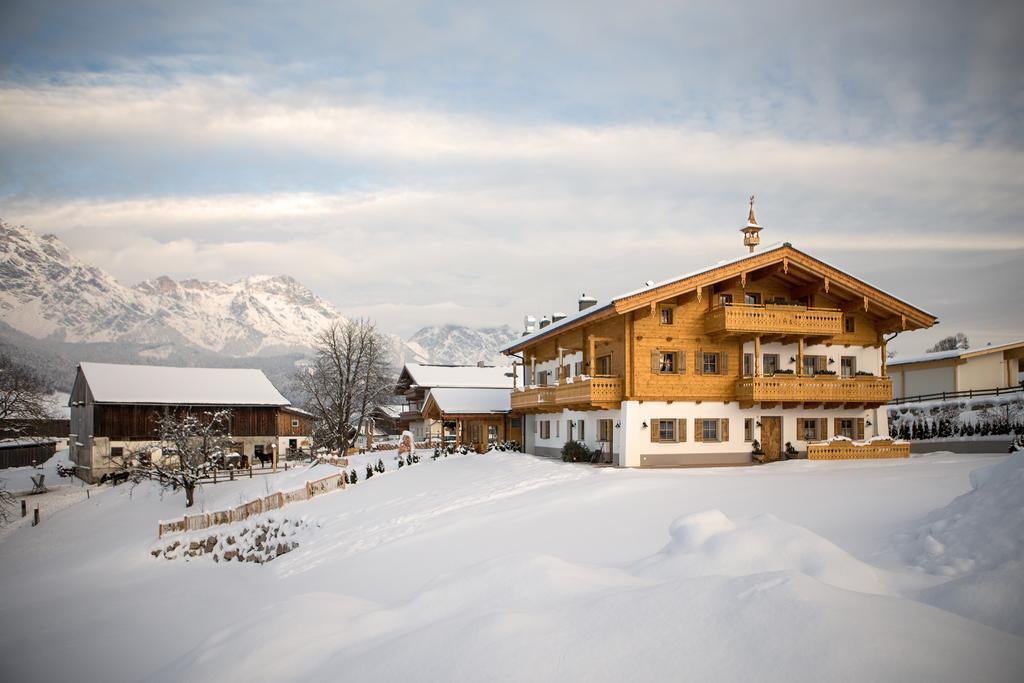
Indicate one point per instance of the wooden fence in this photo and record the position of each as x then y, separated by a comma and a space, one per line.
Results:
27, 454
852, 450
950, 395
254, 507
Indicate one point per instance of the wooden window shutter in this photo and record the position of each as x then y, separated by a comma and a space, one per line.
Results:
698, 362
724, 432
535, 424
698, 429
681, 361
655, 428
723, 368
681, 430
860, 429
823, 428
838, 424
800, 428
655, 361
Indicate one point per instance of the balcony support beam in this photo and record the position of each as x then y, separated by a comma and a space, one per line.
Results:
799, 356
757, 355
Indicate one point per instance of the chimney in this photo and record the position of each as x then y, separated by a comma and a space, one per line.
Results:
586, 302
544, 322
555, 317
529, 325
481, 364
750, 237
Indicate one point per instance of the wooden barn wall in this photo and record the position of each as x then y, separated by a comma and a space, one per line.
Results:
285, 428
123, 422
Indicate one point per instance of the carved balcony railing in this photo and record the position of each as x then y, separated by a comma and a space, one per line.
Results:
534, 400
773, 319
869, 391
590, 393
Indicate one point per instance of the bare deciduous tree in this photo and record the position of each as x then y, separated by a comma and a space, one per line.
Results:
348, 379
191, 444
24, 398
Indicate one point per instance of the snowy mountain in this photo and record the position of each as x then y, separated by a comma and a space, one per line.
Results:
77, 311
459, 345
47, 292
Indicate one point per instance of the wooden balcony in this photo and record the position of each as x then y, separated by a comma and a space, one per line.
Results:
855, 450
534, 400
591, 393
410, 416
821, 390
773, 320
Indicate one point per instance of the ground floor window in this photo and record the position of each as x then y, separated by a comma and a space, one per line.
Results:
666, 431
748, 429
846, 428
545, 429
810, 429
709, 430
581, 429
604, 430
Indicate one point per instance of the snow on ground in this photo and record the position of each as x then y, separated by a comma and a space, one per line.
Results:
511, 567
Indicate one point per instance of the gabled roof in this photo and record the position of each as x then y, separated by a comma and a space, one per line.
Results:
782, 255
162, 385
960, 354
468, 401
429, 376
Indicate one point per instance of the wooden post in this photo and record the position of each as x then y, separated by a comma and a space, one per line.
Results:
592, 347
533, 376
885, 369
214, 475
800, 356
250, 470
757, 355
35, 516
515, 375
24, 508
273, 453
231, 473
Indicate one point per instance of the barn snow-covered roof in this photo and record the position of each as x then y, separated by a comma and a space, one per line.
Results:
162, 385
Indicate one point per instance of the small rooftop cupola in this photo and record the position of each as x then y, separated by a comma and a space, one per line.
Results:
751, 238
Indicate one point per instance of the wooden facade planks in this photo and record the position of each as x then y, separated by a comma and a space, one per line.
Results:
140, 422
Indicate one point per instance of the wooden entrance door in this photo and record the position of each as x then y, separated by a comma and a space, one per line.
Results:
771, 438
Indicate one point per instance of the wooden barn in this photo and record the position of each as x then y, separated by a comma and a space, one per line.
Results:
115, 409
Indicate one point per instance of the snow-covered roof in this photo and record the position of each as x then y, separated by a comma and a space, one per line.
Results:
955, 353
601, 306
429, 376
471, 401
162, 385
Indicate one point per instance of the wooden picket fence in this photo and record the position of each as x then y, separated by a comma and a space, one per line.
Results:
254, 507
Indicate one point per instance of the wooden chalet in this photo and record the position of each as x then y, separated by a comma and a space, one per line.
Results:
776, 346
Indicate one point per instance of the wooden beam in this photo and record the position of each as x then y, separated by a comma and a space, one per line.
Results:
808, 290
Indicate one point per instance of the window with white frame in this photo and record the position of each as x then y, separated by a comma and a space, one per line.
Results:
545, 429
748, 429
709, 430
666, 315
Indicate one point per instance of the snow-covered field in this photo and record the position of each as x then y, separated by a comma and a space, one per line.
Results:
511, 567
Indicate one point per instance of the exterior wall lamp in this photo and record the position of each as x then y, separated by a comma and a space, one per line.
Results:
643, 426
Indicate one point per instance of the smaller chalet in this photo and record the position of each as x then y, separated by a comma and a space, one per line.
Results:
458, 404
115, 409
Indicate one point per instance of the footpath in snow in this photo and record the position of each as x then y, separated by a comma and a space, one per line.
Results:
511, 567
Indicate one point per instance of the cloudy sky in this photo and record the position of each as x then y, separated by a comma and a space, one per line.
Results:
425, 163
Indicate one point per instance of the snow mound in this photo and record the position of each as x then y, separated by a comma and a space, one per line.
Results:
709, 543
980, 530
978, 540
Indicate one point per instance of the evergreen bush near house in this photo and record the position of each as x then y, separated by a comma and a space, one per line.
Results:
401, 463
369, 471
574, 451
353, 477
380, 467
790, 451
755, 450
1017, 444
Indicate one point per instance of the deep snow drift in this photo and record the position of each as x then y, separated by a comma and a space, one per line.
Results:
510, 567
